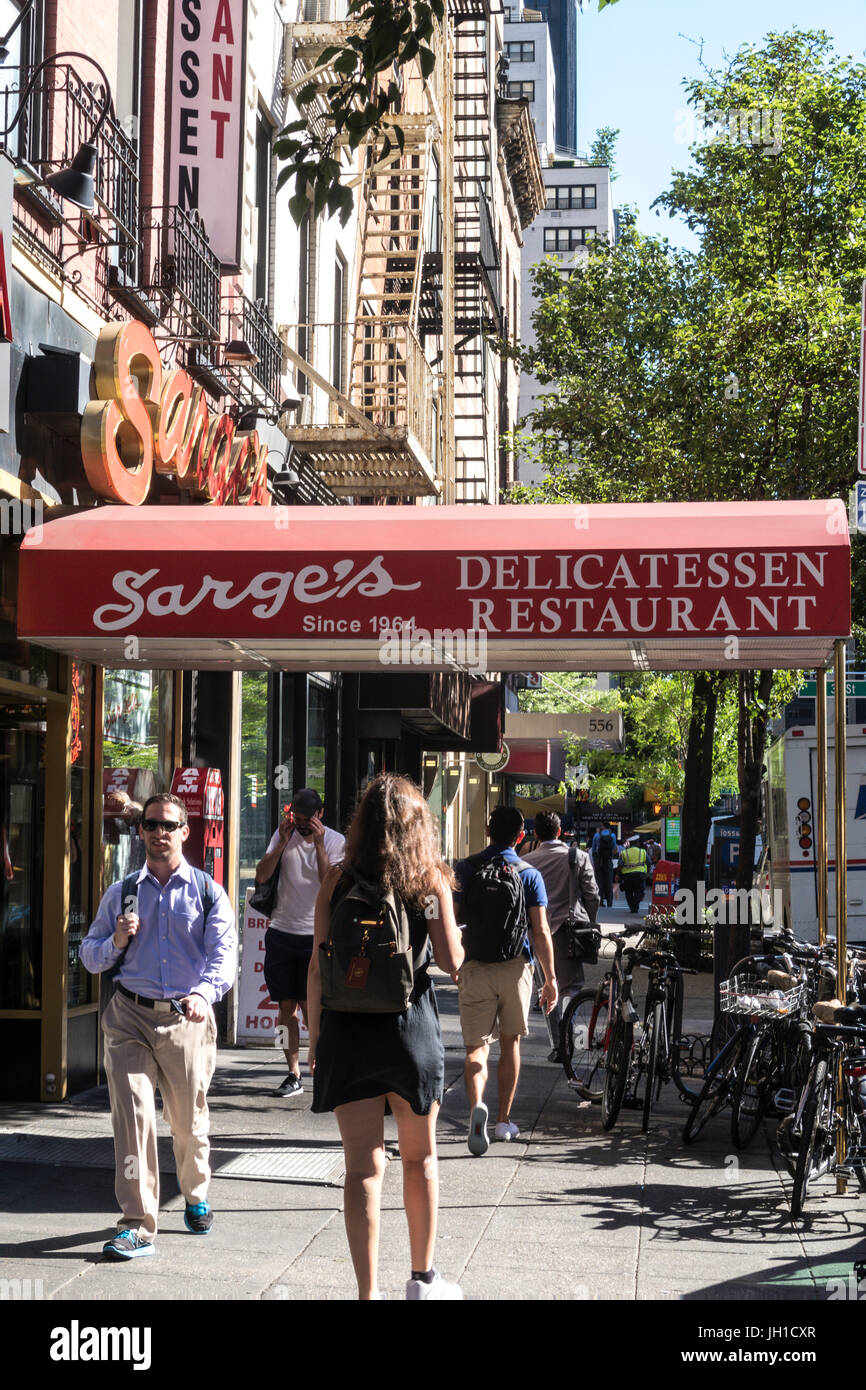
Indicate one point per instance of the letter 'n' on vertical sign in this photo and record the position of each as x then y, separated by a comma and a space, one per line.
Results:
117, 427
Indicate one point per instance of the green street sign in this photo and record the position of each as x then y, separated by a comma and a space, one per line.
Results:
854, 690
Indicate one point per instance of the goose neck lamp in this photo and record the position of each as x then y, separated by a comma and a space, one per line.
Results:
75, 183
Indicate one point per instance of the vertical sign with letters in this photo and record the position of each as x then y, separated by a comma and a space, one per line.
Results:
207, 110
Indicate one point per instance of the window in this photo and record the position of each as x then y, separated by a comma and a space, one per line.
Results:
567, 238
264, 133
524, 91
521, 52
567, 195
338, 365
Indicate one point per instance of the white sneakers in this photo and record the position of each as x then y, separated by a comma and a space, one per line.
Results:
507, 1130
438, 1288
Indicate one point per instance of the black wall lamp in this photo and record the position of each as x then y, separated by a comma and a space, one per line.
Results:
76, 182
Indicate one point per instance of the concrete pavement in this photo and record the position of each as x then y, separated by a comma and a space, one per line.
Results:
565, 1212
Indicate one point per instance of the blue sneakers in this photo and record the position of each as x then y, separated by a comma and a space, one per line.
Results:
198, 1218
127, 1245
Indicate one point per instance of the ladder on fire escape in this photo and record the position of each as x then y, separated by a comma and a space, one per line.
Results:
472, 183
389, 276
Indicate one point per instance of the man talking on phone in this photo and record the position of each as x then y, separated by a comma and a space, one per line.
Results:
303, 849
167, 936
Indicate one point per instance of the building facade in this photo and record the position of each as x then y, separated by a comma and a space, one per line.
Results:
170, 338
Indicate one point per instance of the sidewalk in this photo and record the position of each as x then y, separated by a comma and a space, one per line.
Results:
565, 1212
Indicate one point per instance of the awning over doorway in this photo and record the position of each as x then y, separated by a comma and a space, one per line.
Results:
655, 587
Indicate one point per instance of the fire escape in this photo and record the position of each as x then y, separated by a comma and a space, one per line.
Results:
477, 297
382, 438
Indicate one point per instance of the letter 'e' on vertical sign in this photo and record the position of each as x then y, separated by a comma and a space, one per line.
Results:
208, 64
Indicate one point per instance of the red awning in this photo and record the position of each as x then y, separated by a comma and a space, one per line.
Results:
656, 587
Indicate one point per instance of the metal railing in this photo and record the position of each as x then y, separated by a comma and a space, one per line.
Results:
259, 332
185, 265
59, 115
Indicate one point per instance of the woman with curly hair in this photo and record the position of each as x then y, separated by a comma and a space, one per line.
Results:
365, 1063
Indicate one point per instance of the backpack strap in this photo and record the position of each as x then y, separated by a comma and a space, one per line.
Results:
127, 890
206, 891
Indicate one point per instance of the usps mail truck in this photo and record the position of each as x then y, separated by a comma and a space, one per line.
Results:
791, 809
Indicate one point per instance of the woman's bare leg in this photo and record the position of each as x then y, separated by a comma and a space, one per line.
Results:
362, 1130
417, 1137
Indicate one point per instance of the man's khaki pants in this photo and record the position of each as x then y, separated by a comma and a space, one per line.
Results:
146, 1048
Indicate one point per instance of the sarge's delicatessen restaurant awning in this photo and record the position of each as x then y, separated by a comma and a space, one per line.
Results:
652, 587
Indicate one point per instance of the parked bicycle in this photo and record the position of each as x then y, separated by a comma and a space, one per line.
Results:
833, 1101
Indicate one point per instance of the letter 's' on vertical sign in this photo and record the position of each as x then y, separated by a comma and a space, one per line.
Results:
208, 64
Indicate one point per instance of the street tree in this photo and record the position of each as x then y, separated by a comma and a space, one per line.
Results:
730, 373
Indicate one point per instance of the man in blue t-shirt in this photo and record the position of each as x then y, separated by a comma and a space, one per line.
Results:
495, 995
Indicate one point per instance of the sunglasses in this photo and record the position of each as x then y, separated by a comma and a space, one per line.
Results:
170, 826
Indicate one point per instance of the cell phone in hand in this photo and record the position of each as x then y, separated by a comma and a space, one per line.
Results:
178, 1007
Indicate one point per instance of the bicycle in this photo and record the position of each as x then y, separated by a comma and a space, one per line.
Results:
826, 1106
743, 1072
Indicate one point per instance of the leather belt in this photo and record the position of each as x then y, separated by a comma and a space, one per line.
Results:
159, 1004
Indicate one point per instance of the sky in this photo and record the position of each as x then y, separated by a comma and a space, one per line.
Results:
633, 57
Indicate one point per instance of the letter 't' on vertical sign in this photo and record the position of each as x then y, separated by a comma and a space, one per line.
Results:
208, 64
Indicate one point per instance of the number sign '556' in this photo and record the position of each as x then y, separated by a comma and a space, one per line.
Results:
146, 419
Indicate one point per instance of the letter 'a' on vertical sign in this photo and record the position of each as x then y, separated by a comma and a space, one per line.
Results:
208, 65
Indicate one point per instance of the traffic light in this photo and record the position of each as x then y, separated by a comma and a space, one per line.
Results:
657, 808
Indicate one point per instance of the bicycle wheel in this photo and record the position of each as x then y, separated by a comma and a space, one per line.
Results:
754, 1087
817, 1149
616, 1072
582, 1040
651, 1047
716, 1090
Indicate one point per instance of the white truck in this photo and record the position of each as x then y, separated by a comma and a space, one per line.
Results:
791, 808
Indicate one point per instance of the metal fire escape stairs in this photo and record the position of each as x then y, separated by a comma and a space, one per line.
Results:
476, 263
381, 438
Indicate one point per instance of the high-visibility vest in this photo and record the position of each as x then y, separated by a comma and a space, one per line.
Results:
633, 860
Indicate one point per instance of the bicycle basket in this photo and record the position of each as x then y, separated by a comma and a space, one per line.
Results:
749, 994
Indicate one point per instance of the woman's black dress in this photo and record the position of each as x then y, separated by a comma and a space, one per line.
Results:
361, 1056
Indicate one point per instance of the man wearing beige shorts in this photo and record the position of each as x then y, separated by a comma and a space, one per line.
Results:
173, 955
495, 995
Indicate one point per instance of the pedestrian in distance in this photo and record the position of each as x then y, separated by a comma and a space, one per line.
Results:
604, 852
375, 1040
499, 898
633, 872
302, 851
167, 936
572, 892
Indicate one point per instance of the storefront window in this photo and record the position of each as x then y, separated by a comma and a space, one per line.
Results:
317, 737
131, 742
255, 830
81, 986
20, 661
22, 799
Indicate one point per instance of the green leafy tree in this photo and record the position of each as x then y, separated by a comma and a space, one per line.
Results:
603, 148
731, 373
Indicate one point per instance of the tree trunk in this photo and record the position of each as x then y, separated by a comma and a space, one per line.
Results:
698, 779
753, 696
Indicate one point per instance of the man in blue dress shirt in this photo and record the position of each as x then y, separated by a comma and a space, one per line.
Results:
173, 961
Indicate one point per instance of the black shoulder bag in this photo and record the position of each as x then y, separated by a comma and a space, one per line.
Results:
582, 938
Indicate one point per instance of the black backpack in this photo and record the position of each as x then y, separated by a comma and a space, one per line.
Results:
129, 903
366, 963
605, 847
494, 907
